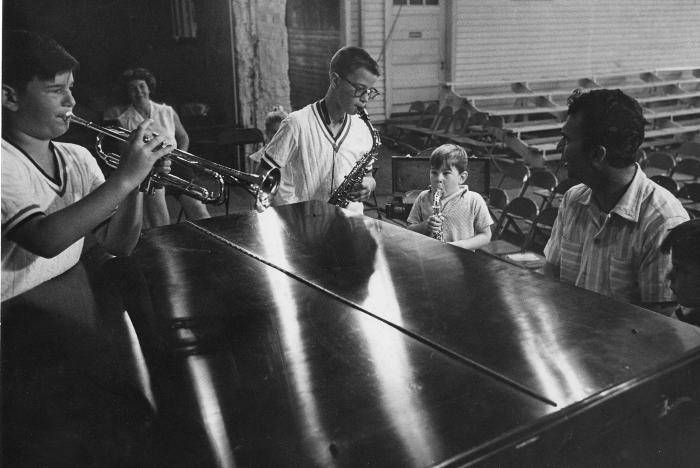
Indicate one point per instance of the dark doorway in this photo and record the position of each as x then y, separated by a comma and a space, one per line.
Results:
314, 35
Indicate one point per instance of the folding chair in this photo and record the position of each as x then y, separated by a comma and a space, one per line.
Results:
426, 122
541, 183
537, 237
510, 235
686, 171
441, 124
688, 149
514, 174
541, 229
412, 117
457, 123
557, 194
659, 163
689, 196
476, 135
667, 182
497, 202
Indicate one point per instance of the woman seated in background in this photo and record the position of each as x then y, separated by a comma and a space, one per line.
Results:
137, 84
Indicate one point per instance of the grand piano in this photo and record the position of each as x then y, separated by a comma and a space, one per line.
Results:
310, 336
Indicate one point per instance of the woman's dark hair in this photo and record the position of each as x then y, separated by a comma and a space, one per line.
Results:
137, 74
27, 55
613, 120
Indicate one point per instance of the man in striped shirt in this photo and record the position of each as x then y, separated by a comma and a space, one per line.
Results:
609, 229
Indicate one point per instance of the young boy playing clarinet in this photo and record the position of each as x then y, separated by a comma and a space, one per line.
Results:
53, 194
457, 216
683, 241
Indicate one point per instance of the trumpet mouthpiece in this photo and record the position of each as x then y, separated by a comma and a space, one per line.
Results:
68, 116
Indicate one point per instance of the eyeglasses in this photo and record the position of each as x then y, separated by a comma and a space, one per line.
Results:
361, 90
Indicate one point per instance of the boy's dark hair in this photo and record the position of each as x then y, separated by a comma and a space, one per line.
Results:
450, 155
350, 58
137, 74
684, 239
613, 120
27, 55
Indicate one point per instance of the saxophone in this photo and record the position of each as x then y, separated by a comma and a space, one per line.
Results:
339, 197
437, 211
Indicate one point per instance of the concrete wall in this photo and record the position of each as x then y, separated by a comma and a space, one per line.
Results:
260, 40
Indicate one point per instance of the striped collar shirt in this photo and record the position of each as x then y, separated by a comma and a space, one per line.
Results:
313, 159
617, 254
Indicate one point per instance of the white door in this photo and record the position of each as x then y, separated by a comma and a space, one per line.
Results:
415, 51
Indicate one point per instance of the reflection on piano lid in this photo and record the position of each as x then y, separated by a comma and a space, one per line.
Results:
344, 340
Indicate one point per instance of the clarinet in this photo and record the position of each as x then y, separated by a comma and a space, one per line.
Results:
339, 197
437, 211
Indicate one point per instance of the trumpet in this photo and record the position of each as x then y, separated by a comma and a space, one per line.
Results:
262, 186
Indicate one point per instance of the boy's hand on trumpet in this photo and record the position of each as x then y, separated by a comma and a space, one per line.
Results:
143, 153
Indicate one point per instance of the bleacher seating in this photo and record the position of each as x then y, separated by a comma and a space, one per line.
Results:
533, 111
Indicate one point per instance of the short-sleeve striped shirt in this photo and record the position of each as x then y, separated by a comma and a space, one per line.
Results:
617, 254
465, 212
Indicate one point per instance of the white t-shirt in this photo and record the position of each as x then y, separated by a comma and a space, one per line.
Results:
312, 160
28, 191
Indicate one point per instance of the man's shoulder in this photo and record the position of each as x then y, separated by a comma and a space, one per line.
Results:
577, 195
578, 191
660, 204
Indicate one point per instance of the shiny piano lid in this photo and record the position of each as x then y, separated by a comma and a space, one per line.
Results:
558, 341
311, 336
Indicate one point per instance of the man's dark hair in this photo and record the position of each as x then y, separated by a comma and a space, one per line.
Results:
137, 74
350, 58
684, 239
27, 55
611, 119
450, 155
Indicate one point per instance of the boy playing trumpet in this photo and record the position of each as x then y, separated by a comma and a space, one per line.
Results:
53, 194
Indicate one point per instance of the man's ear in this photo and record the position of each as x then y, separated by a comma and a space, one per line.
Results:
600, 154
10, 99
